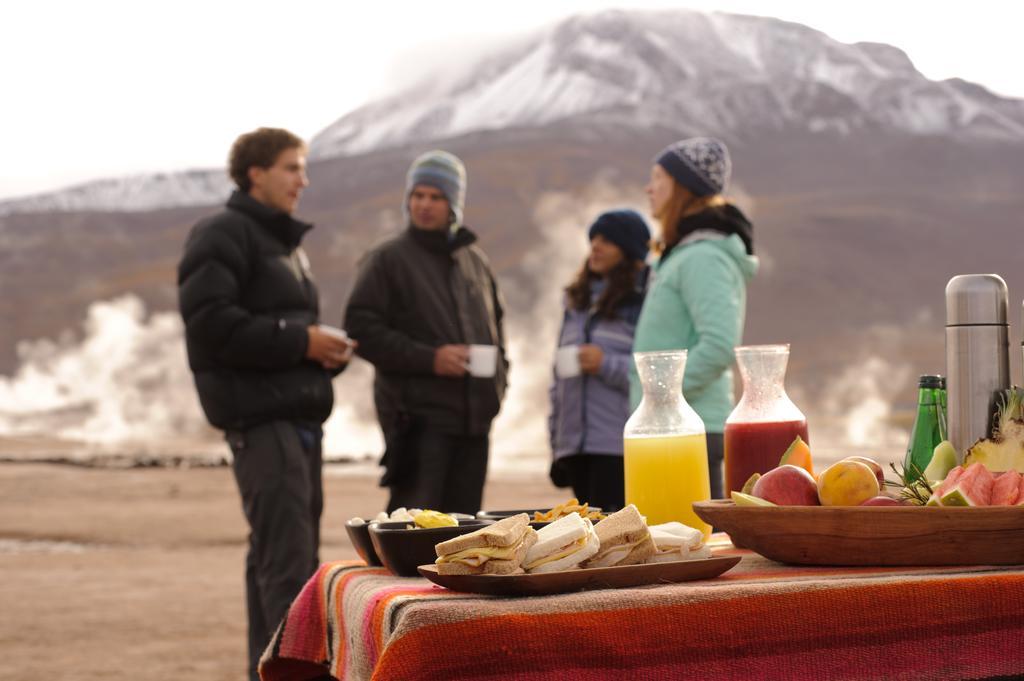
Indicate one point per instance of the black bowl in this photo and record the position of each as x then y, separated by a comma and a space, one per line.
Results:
359, 535
402, 550
498, 515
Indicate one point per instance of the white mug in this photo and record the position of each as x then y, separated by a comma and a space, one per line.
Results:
483, 360
340, 334
567, 361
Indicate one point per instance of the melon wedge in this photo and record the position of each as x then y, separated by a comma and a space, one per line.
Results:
943, 461
741, 499
799, 455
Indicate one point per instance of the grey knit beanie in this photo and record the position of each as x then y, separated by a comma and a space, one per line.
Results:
443, 171
701, 164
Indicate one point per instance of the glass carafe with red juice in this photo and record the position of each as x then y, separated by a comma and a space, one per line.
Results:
765, 422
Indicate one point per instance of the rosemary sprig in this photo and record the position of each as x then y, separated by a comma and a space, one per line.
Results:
913, 485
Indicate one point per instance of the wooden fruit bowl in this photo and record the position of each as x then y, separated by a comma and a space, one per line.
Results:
873, 535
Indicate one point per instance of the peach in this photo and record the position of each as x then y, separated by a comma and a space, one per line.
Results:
873, 465
787, 485
847, 483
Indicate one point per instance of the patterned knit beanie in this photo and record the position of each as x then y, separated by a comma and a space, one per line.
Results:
626, 229
443, 171
701, 164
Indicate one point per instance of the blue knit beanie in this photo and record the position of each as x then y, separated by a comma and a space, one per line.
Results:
624, 228
701, 164
443, 171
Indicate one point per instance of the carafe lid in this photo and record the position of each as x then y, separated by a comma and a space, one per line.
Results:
976, 299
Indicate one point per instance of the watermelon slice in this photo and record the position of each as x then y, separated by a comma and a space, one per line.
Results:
1006, 488
972, 488
945, 486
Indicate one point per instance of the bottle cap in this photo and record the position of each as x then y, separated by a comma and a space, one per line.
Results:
930, 381
976, 299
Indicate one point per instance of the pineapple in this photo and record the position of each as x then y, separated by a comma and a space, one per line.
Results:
1005, 449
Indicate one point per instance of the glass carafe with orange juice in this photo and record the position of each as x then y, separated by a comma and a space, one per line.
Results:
665, 448
765, 421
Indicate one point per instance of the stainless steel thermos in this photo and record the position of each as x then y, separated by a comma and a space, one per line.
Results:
977, 354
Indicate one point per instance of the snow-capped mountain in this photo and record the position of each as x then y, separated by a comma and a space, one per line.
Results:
139, 192
869, 186
683, 71
728, 74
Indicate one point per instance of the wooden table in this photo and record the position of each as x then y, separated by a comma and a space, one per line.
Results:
761, 620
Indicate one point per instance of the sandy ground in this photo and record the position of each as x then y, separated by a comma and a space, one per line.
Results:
127, 574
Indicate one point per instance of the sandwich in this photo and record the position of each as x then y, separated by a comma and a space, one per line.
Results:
625, 540
675, 541
496, 549
562, 545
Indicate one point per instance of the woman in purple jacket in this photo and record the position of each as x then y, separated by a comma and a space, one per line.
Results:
590, 395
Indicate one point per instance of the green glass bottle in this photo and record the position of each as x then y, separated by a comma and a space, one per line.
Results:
940, 407
925, 434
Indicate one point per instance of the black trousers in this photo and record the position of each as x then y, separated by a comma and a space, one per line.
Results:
445, 472
277, 467
598, 479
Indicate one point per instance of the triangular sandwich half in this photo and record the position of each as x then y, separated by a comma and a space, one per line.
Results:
676, 541
625, 540
496, 549
562, 545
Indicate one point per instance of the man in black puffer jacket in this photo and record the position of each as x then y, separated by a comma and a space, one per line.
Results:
420, 302
263, 366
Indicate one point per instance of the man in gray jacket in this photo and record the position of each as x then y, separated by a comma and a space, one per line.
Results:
420, 301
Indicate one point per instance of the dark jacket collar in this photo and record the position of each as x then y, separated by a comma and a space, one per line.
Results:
725, 220
282, 225
441, 241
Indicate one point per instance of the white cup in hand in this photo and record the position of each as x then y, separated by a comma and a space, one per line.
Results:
567, 361
483, 360
340, 334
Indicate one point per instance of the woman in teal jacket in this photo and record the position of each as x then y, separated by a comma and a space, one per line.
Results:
698, 295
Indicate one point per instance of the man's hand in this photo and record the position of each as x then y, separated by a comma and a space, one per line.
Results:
329, 350
590, 359
451, 360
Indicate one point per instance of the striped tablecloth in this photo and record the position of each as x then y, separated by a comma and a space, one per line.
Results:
761, 620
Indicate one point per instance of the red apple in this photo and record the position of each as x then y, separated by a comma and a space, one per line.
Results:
787, 486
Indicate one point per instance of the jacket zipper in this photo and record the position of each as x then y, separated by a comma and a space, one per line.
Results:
455, 271
587, 327
296, 259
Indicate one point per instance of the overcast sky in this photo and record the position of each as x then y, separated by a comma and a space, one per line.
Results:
104, 88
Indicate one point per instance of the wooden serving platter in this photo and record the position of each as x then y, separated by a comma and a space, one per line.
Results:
583, 579
873, 535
